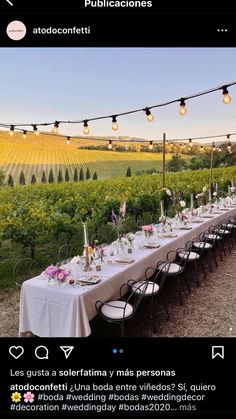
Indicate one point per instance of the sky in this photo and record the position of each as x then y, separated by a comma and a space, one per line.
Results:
43, 85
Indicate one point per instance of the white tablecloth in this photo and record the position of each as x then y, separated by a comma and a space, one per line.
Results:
65, 311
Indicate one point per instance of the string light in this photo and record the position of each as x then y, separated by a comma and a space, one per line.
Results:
24, 134
149, 115
213, 147
68, 140
150, 118
11, 132
36, 131
182, 107
86, 127
114, 124
55, 128
150, 145
228, 138
110, 145
226, 97
201, 148
190, 143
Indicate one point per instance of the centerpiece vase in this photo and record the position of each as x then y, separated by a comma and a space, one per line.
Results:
120, 247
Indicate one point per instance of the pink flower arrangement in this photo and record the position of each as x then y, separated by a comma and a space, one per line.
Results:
148, 230
57, 273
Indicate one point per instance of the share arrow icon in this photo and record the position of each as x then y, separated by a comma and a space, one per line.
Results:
67, 350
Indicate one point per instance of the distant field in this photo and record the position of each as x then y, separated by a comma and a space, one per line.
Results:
34, 155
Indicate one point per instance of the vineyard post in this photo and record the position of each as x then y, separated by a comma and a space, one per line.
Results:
164, 161
211, 166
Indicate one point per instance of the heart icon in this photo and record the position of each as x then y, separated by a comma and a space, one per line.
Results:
16, 351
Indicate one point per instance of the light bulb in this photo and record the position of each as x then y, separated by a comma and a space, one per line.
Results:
11, 132
36, 131
114, 124
110, 145
201, 148
55, 128
182, 108
24, 134
190, 143
86, 128
226, 97
68, 140
213, 147
149, 115
150, 145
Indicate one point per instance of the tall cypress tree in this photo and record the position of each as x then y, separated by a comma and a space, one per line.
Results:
81, 174
128, 173
59, 177
67, 176
10, 181
76, 177
51, 177
88, 174
33, 180
44, 180
22, 179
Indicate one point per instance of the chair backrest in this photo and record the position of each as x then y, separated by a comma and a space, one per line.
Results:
24, 269
133, 293
66, 251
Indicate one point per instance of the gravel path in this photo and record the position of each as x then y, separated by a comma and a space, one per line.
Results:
209, 310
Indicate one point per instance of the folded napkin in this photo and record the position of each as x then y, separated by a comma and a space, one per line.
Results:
124, 260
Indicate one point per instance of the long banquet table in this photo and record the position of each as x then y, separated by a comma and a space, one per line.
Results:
65, 311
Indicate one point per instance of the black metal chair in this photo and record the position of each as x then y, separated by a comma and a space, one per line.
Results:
24, 269
118, 311
66, 252
174, 268
192, 256
155, 282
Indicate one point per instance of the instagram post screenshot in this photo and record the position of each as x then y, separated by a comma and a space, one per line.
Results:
117, 210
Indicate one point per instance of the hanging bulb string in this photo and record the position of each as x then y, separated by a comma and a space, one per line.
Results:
223, 87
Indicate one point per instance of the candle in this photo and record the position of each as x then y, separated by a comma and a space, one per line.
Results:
162, 209
191, 205
216, 187
209, 194
232, 183
229, 189
85, 230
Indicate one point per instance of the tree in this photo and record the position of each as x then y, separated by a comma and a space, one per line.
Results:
88, 174
2, 177
176, 164
22, 179
81, 174
51, 177
10, 181
33, 180
59, 177
128, 173
95, 176
44, 180
67, 176
76, 177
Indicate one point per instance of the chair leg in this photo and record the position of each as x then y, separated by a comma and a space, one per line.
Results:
210, 264
122, 329
179, 290
166, 308
203, 269
214, 255
196, 273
